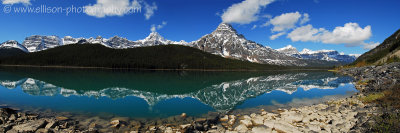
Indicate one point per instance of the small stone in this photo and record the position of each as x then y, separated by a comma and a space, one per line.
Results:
185, 126
224, 119
152, 128
162, 128
261, 129
183, 115
241, 128
313, 127
64, 126
246, 122
200, 120
92, 125
115, 123
231, 121
232, 117
226, 125
284, 127
50, 124
168, 130
263, 113
12, 117
258, 120
253, 115
32, 116
42, 130
62, 118
294, 117
30, 126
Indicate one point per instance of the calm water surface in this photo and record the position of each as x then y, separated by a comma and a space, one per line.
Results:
151, 94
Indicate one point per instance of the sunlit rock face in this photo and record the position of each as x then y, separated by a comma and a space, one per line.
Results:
38, 43
226, 42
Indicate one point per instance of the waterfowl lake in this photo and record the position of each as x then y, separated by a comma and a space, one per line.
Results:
159, 94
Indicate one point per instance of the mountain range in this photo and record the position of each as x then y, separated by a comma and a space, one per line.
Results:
224, 41
327, 55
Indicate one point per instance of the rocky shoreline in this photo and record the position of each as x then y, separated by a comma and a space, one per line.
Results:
335, 116
341, 115
372, 79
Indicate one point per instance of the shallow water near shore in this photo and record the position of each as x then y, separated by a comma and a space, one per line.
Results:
161, 94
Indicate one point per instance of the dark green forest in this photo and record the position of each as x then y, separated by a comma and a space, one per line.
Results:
10, 52
154, 57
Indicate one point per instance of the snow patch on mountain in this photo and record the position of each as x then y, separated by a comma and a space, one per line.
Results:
38, 43
12, 44
226, 42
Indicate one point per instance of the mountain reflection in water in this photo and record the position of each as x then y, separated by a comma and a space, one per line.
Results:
222, 91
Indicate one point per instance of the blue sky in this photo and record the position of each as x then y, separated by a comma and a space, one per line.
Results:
349, 26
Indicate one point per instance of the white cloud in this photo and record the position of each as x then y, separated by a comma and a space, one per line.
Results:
267, 16
306, 33
351, 34
150, 9
105, 8
273, 37
305, 18
27, 2
254, 27
244, 12
288, 21
371, 45
154, 28
285, 21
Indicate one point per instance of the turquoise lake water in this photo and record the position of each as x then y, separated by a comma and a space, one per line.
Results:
150, 94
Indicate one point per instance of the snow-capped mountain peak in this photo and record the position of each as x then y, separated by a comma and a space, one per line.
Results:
226, 42
289, 49
305, 51
154, 36
225, 27
226, 31
13, 44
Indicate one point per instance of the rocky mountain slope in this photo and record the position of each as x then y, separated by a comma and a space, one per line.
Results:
226, 42
388, 49
38, 43
12, 44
